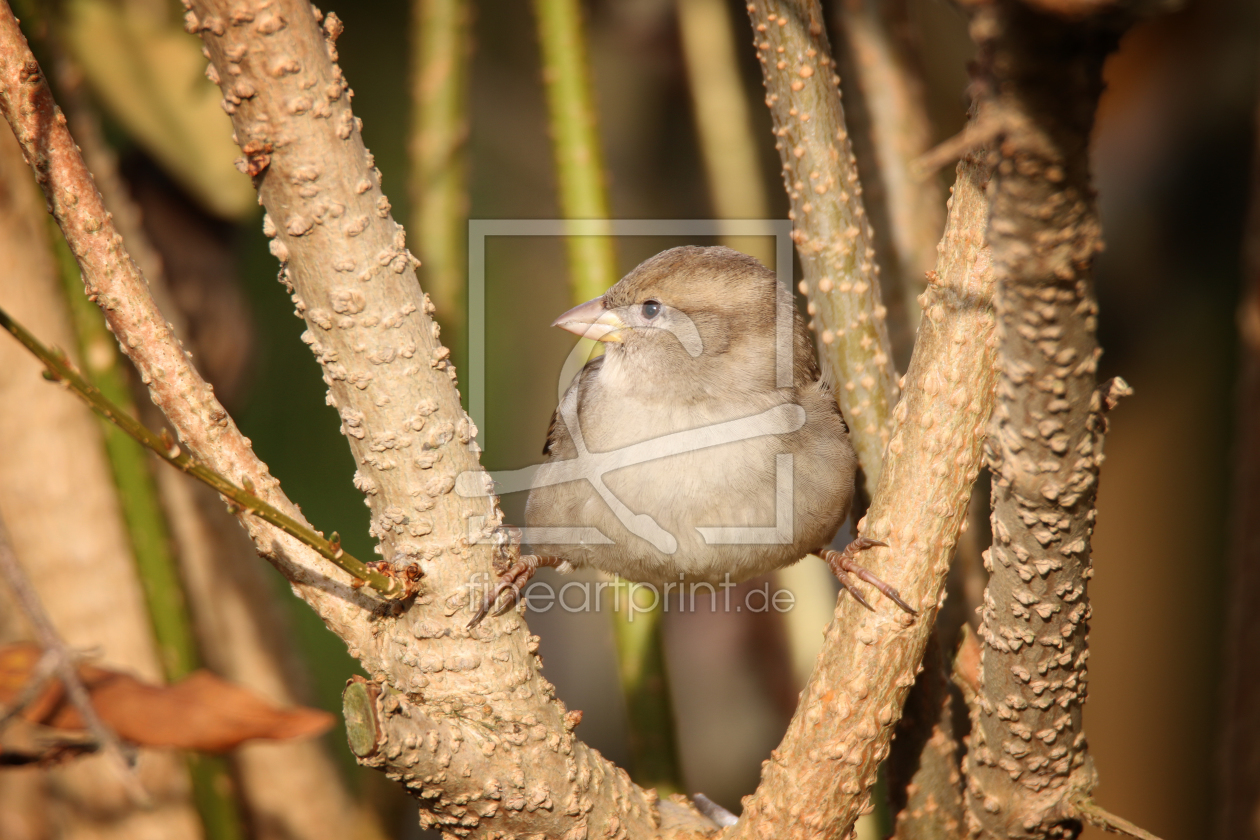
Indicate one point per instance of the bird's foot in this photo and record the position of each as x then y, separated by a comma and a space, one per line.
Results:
511, 581
842, 565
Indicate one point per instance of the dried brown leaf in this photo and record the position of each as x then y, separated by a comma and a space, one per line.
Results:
202, 712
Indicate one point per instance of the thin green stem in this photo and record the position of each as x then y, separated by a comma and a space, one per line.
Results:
137, 494
156, 565
439, 132
593, 268
728, 145
579, 162
60, 370
637, 632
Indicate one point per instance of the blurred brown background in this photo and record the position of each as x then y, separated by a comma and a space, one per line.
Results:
1173, 150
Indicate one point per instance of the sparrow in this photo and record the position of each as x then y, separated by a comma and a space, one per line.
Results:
703, 445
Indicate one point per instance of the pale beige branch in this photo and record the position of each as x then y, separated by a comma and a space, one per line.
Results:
54, 474
829, 222
478, 697
819, 779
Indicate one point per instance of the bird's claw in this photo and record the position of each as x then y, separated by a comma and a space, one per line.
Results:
842, 565
512, 580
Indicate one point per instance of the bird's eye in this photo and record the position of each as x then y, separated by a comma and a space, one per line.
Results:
651, 309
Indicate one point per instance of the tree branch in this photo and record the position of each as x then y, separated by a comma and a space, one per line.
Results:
830, 226
478, 697
236, 615
819, 778
1027, 765
389, 377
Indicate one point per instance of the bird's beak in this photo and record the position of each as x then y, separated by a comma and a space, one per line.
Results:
592, 320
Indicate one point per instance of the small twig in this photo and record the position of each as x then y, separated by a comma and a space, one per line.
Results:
63, 664
60, 370
978, 134
1101, 818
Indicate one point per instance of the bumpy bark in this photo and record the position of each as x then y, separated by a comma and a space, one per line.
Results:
829, 222
1028, 767
819, 778
389, 378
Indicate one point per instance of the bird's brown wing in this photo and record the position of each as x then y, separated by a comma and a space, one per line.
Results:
556, 432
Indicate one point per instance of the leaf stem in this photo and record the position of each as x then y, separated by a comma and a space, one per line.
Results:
60, 370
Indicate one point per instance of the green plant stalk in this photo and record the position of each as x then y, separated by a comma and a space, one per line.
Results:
142, 514
645, 684
59, 369
728, 145
214, 796
439, 132
579, 162
593, 268
137, 494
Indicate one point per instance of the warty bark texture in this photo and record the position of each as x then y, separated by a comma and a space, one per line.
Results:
496, 753
354, 282
1027, 764
830, 226
818, 780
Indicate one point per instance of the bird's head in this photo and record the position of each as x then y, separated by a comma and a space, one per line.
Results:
694, 313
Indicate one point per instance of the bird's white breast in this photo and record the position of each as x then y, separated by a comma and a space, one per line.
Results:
715, 481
